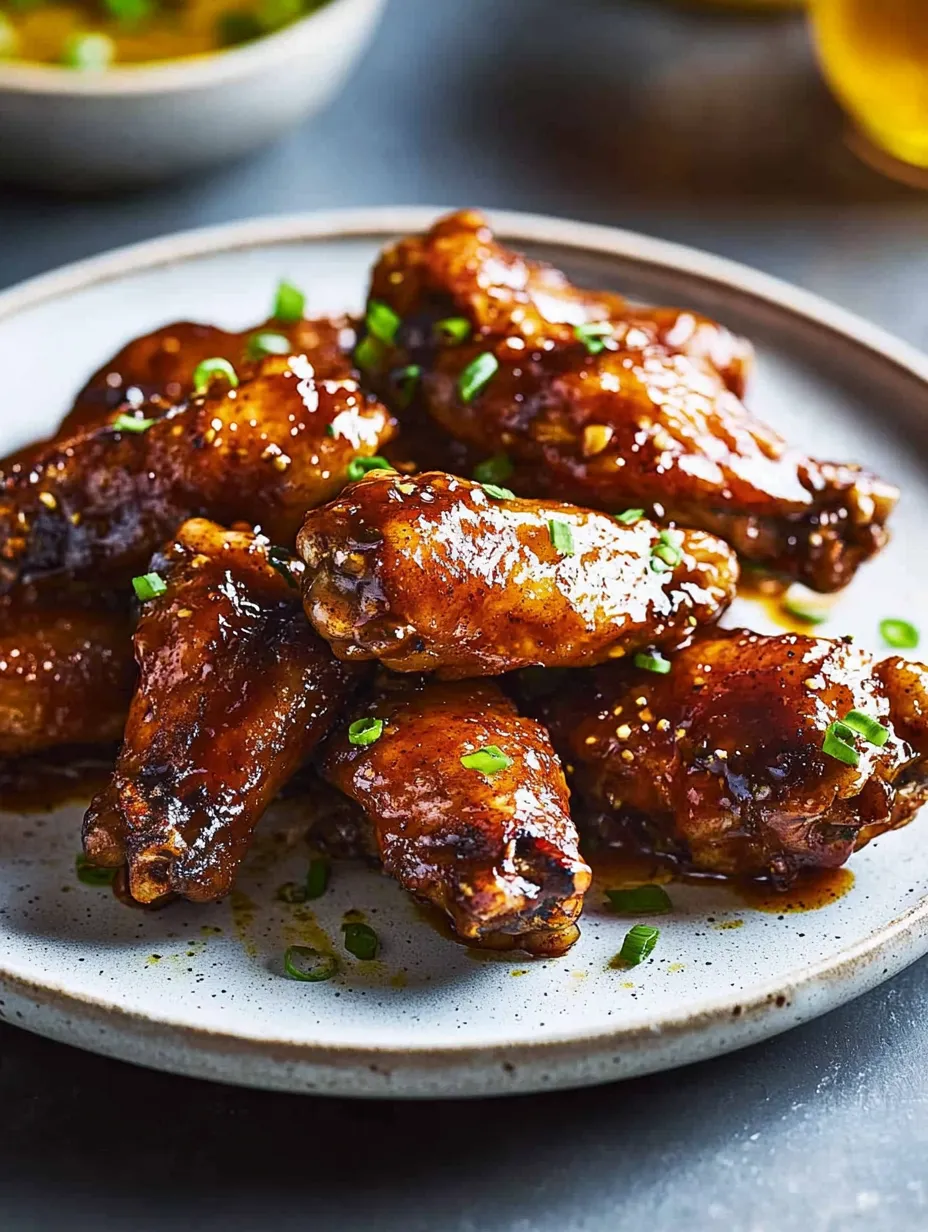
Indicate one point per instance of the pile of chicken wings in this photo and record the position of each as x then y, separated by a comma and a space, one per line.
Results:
464, 559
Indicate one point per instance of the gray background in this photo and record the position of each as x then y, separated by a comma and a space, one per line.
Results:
712, 130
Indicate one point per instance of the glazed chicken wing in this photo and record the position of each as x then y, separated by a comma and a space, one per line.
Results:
66, 673
469, 809
234, 692
607, 408
101, 502
727, 761
439, 574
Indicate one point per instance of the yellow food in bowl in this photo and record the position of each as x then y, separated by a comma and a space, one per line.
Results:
90, 36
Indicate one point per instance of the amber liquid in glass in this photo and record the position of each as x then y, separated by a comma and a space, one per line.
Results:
874, 54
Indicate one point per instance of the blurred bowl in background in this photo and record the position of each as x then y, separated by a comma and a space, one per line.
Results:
135, 123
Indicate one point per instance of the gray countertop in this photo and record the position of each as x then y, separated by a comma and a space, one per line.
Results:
705, 129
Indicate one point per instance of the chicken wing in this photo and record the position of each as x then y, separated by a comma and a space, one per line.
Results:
609, 408
235, 690
469, 809
730, 762
101, 502
66, 672
440, 574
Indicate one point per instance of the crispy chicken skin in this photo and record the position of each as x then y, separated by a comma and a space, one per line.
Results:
720, 762
101, 502
234, 692
498, 853
652, 418
66, 673
434, 574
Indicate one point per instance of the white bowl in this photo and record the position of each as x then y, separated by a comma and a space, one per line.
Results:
70, 130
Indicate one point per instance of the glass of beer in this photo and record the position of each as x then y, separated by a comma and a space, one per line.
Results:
874, 54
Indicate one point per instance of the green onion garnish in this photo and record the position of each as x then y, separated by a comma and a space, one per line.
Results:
365, 731
129, 12
593, 335
561, 536
93, 874
477, 375
289, 303
629, 517
453, 329
382, 322
131, 423
489, 760
90, 53
872, 731
805, 605
358, 467
291, 892
899, 634
148, 586
361, 941
302, 962
317, 878
494, 470
213, 369
236, 26
497, 493
281, 559
667, 552
641, 900
267, 343
654, 662
839, 743
368, 354
406, 381
638, 944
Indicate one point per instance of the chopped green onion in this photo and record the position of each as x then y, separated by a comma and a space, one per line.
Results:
281, 559
806, 605
899, 634
667, 552
291, 892
640, 900
365, 731
237, 26
361, 941
289, 303
368, 354
317, 878
839, 743
494, 470
90, 53
629, 517
477, 375
148, 586
453, 329
210, 370
131, 423
872, 731
302, 962
593, 335
638, 944
129, 12
274, 14
561, 535
489, 760
358, 467
267, 343
382, 322
497, 493
654, 662
93, 874
406, 381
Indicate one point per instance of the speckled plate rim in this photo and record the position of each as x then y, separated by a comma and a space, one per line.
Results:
572, 1058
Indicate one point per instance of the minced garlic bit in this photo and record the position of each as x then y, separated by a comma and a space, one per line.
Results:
48, 500
628, 755
595, 439
623, 732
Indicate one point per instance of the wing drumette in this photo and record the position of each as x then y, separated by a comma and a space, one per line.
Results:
724, 761
234, 691
101, 502
439, 574
487, 839
610, 407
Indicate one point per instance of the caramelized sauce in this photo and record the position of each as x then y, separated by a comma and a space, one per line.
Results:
47, 780
810, 892
769, 594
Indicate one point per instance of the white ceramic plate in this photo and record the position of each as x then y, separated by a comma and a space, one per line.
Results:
200, 990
